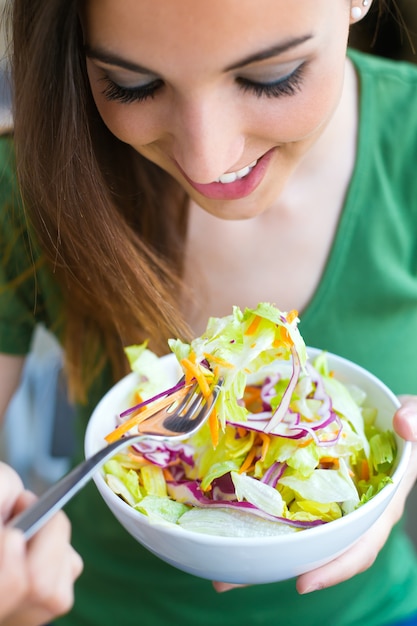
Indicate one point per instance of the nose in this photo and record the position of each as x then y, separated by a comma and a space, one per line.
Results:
207, 138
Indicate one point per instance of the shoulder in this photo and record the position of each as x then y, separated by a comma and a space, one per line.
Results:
383, 71
388, 123
388, 88
13, 228
28, 290
20, 256
8, 180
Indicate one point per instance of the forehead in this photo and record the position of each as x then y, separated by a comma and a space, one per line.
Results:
213, 29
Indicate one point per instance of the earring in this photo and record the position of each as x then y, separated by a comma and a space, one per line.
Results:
356, 13
365, 3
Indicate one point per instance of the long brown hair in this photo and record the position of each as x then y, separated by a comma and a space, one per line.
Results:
111, 224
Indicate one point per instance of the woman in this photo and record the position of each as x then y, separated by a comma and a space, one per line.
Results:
35, 580
176, 159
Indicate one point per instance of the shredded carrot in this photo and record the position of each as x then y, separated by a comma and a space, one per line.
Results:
365, 470
241, 431
196, 373
248, 460
167, 474
253, 326
305, 443
137, 398
218, 360
136, 418
251, 396
285, 336
266, 440
193, 371
253, 390
292, 315
329, 462
138, 458
214, 427
328, 459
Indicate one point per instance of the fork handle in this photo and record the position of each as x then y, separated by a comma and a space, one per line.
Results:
56, 497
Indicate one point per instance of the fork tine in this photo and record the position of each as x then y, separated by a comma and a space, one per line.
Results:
180, 421
191, 411
179, 406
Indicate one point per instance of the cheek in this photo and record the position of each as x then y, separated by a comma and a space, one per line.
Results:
125, 121
297, 118
128, 122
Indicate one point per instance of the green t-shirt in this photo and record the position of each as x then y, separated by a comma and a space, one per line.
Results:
365, 309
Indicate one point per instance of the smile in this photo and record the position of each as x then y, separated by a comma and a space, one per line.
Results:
234, 185
231, 177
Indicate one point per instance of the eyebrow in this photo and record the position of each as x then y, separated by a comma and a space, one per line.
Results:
113, 59
270, 52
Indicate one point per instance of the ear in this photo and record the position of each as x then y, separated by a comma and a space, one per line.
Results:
358, 10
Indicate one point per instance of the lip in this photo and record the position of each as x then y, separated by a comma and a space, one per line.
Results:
239, 188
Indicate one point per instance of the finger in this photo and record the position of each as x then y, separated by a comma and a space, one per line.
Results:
53, 566
11, 487
77, 564
222, 587
63, 598
355, 560
46, 551
405, 419
362, 555
23, 501
13, 580
45, 597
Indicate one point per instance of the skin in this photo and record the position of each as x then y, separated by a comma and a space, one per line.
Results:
199, 125
36, 578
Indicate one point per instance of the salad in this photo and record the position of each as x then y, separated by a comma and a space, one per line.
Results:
287, 447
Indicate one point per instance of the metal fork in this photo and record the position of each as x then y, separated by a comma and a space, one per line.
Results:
187, 412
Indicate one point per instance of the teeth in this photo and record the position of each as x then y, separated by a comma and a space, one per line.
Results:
228, 178
231, 177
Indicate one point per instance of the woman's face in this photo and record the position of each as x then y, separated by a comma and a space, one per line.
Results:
225, 95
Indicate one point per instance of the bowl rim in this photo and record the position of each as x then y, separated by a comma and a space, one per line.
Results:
308, 533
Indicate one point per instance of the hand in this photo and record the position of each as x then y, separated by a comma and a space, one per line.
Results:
364, 552
36, 578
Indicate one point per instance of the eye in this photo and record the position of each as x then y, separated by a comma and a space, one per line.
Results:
287, 86
127, 95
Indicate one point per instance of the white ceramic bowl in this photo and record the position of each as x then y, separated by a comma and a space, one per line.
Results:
256, 559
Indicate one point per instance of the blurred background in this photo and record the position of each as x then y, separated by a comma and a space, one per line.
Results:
391, 33
40, 412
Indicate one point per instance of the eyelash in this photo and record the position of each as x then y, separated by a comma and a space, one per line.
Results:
287, 86
127, 95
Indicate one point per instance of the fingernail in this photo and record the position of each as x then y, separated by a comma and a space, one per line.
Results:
410, 417
311, 588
